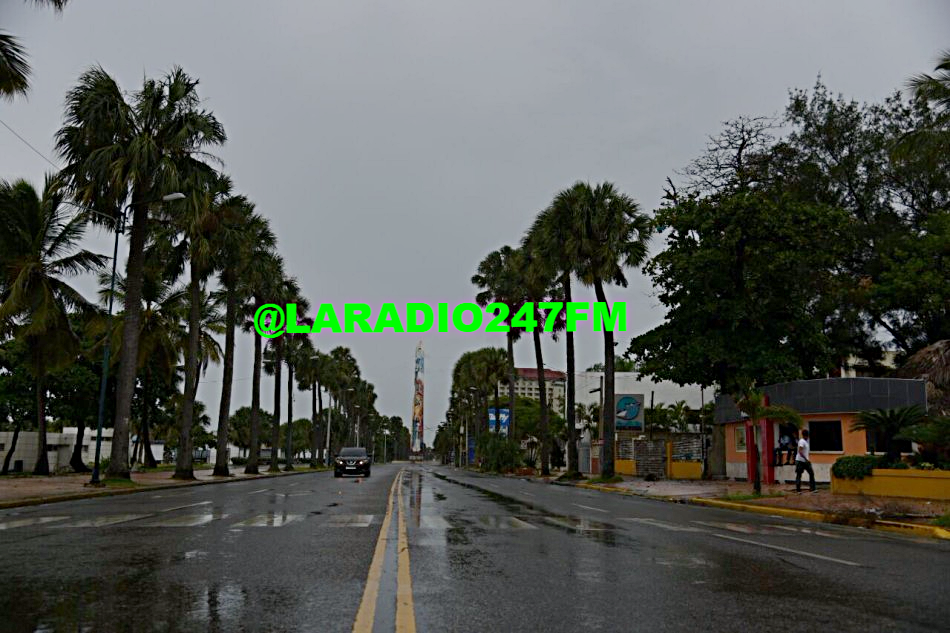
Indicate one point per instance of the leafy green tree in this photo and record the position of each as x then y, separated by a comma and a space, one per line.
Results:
620, 364
39, 239
17, 406
136, 151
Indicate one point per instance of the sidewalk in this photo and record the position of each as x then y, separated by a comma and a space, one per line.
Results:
30, 490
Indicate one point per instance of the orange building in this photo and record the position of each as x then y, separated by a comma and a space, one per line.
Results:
828, 407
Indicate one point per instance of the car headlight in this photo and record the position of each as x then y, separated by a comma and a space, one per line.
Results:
362, 462
339, 461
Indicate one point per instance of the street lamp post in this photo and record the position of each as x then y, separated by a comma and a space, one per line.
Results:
120, 228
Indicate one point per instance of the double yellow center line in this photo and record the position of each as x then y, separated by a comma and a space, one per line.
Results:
405, 611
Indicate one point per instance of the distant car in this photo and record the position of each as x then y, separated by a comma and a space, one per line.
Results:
352, 460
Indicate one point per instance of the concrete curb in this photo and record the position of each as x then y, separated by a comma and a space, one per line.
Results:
899, 527
113, 492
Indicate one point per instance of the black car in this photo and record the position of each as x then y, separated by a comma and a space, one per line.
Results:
351, 461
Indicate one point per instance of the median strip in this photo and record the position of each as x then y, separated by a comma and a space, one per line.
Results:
366, 614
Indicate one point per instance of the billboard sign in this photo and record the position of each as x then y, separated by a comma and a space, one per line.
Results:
502, 417
628, 411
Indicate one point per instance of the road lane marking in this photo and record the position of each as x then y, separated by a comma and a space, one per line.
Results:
788, 550
269, 519
190, 505
405, 611
101, 521
673, 527
591, 508
259, 491
505, 523
367, 610
528, 494
15, 523
186, 520
350, 520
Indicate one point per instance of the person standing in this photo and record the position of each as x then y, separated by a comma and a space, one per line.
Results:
803, 464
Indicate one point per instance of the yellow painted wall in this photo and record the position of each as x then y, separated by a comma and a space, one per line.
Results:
686, 470
887, 482
626, 467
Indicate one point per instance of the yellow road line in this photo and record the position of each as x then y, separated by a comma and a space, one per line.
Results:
367, 611
405, 612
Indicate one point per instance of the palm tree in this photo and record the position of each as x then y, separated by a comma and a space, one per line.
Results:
38, 238
539, 283
753, 405
265, 269
497, 276
241, 233
887, 424
14, 69
285, 291
161, 333
310, 374
935, 88
611, 234
118, 150
297, 348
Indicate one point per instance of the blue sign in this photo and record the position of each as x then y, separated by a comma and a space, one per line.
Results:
628, 412
471, 450
503, 416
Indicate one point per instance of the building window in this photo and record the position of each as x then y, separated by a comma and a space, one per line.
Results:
825, 436
740, 439
875, 443
50, 447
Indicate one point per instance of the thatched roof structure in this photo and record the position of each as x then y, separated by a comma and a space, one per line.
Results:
932, 363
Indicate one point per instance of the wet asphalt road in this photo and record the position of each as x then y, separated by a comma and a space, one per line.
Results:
310, 553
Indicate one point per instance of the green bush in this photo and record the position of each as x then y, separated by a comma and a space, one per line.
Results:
926, 466
499, 454
239, 461
897, 466
855, 466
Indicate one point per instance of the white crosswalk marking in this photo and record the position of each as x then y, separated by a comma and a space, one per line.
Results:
579, 525
190, 505
101, 521
350, 520
434, 523
270, 519
16, 523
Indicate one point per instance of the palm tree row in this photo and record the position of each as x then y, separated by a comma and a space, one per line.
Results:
590, 233
199, 264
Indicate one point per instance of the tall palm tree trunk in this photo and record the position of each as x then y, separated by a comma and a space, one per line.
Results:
75, 460
148, 458
511, 384
275, 427
42, 460
183, 464
573, 464
13, 442
255, 440
224, 410
321, 427
128, 353
606, 415
290, 416
543, 396
314, 425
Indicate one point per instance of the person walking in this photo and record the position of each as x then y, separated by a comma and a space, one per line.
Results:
803, 464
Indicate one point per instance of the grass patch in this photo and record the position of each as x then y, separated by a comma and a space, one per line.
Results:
750, 497
943, 521
616, 479
572, 476
119, 483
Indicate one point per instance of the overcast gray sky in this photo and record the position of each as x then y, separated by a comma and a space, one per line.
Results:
394, 144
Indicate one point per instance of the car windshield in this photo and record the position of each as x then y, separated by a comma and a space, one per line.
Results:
353, 452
